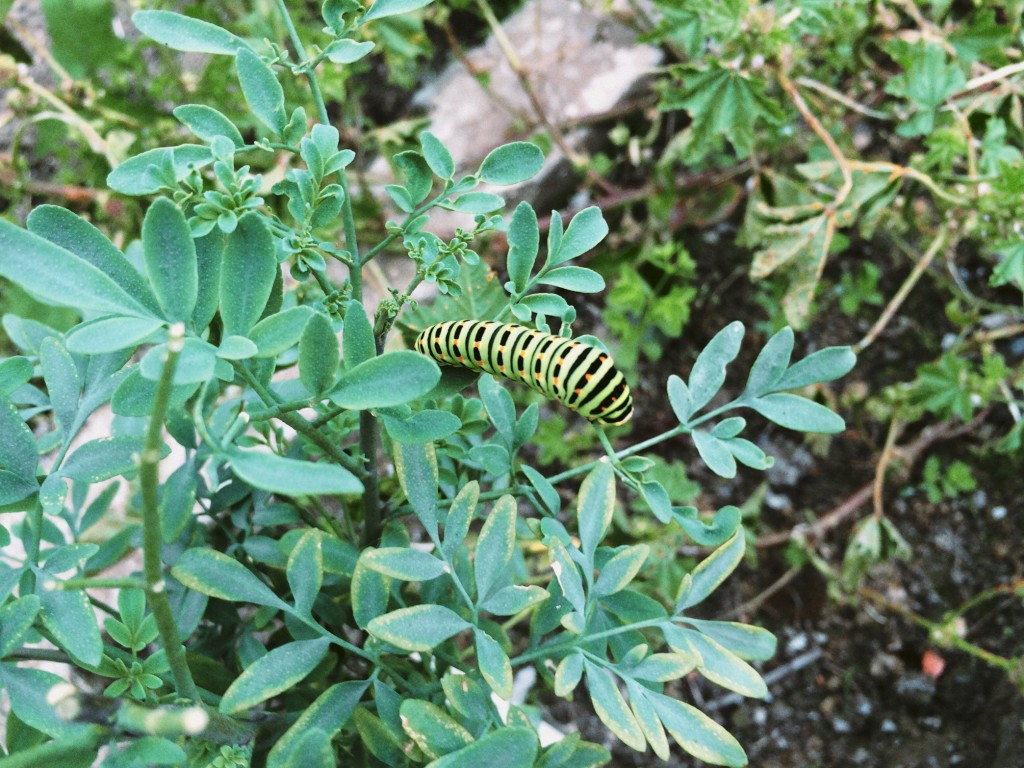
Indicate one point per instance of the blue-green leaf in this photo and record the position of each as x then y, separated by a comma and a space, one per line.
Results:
281, 669
511, 163
712, 571
183, 33
58, 276
493, 664
523, 244
585, 231
170, 255
382, 8
495, 546
795, 412
404, 563
611, 708
262, 90
207, 123
291, 477
247, 274
111, 333
770, 364
213, 573
419, 628
62, 227
391, 379
708, 372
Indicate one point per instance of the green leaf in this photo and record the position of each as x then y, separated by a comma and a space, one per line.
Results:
62, 227
510, 600
329, 713
647, 718
63, 383
81, 35
595, 507
712, 571
247, 274
679, 398
548, 495
15, 372
715, 453
432, 729
16, 619
824, 365
697, 733
183, 33
370, 591
708, 372
391, 379
207, 123
621, 569
381, 740
53, 274
418, 176
281, 669
437, 155
135, 394
196, 363
419, 628
170, 255
305, 571
357, 336
725, 668
511, 164
578, 279
382, 8
68, 616
494, 547
347, 51
567, 575
421, 427
771, 363
281, 331
111, 333
493, 664
568, 674
416, 467
143, 174
150, 751
318, 355
499, 406
209, 254
746, 641
291, 477
928, 80
1009, 271
508, 747
611, 708
523, 244
460, 515
475, 203
404, 564
236, 348
17, 445
657, 498
550, 304
262, 90
723, 102
585, 231
215, 574
26, 690
795, 412
664, 667
105, 458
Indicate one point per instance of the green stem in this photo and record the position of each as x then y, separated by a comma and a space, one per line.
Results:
299, 424
149, 481
560, 648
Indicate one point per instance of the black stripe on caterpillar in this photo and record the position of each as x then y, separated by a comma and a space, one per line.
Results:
580, 376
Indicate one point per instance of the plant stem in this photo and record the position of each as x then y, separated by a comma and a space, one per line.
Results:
149, 480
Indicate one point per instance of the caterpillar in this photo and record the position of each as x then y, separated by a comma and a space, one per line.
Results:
577, 375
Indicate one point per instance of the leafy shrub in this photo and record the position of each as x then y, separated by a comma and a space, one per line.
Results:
309, 591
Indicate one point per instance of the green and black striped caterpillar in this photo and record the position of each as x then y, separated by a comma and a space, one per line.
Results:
577, 375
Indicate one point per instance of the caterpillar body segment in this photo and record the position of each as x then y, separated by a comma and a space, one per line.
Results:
577, 375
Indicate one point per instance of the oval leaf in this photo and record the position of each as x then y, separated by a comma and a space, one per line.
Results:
279, 670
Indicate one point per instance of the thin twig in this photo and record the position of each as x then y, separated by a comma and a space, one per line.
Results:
901, 295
